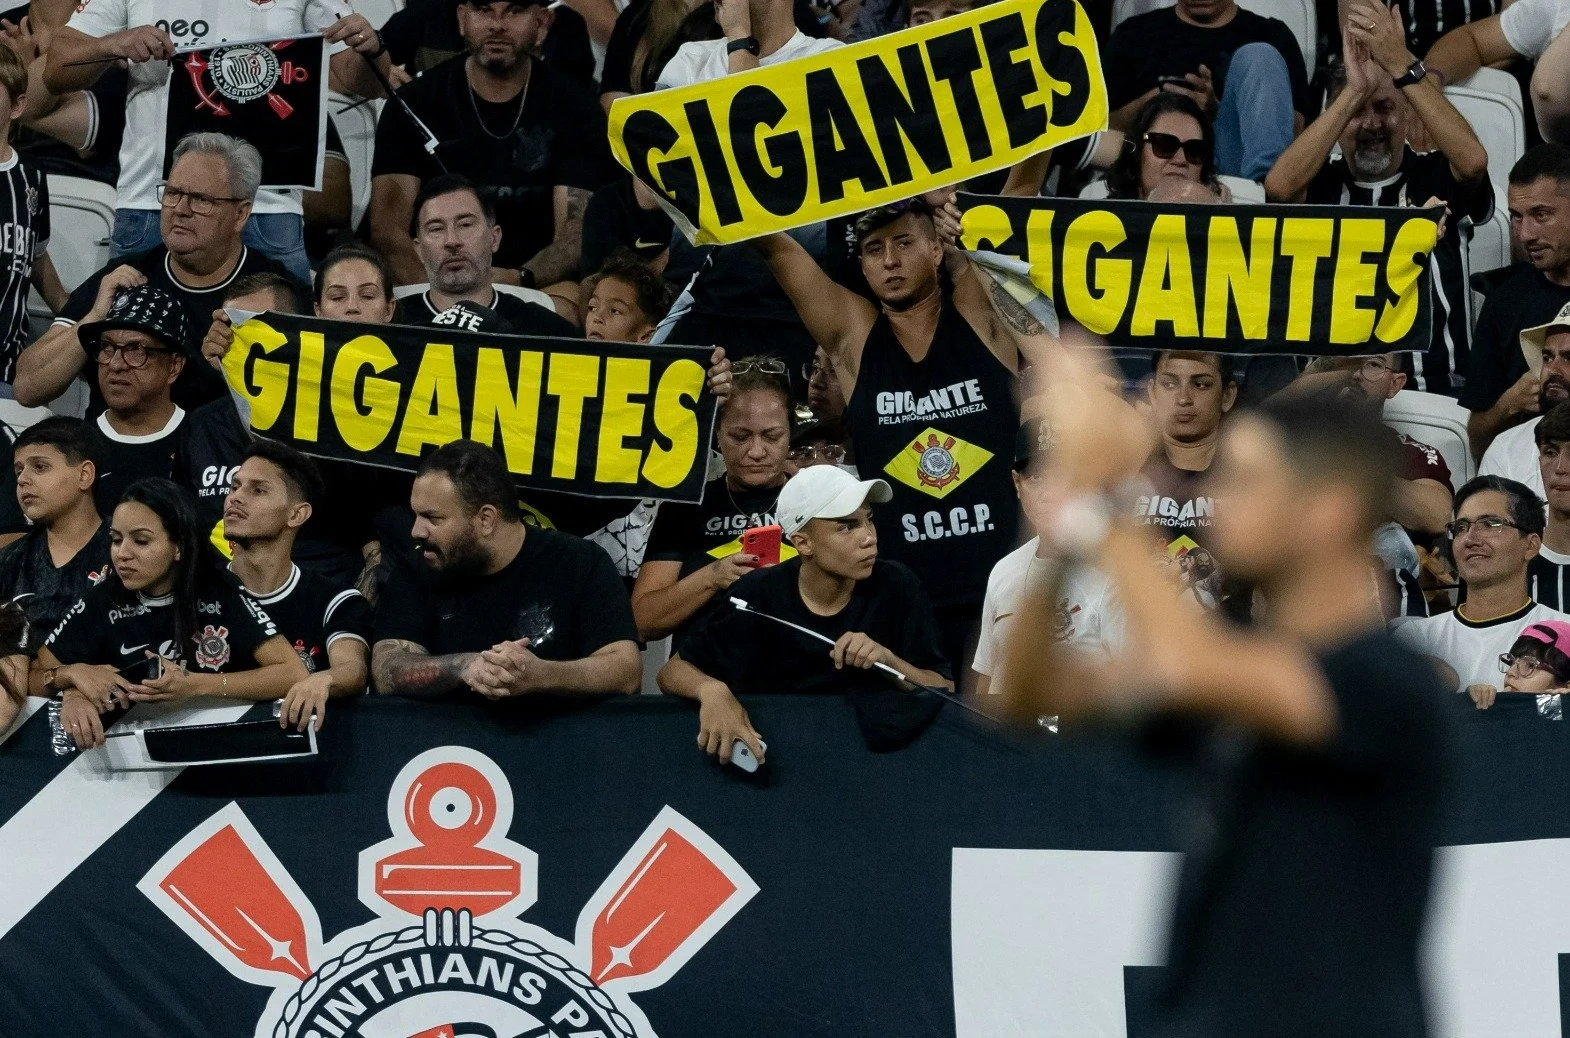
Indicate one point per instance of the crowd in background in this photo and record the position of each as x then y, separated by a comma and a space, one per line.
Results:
875, 385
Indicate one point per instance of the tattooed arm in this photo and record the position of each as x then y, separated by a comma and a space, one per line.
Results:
558, 261
403, 668
1003, 323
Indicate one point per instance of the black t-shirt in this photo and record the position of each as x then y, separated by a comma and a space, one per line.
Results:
556, 137
696, 535
559, 591
312, 613
1421, 177
45, 591
614, 220
752, 654
122, 460
1149, 46
107, 626
524, 317
1524, 300
330, 543
424, 34
200, 381
1307, 869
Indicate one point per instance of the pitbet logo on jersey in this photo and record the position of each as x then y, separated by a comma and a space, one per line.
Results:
212, 647
447, 954
936, 463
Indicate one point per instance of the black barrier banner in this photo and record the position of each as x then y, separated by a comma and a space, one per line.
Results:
862, 126
272, 93
598, 419
1250, 279
599, 876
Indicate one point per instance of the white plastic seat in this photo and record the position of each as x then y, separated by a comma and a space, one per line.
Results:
1297, 14
1490, 100
356, 125
1437, 421
533, 295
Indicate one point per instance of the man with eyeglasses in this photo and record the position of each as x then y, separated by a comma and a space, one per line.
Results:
142, 431
205, 204
1514, 453
144, 35
1496, 533
1372, 103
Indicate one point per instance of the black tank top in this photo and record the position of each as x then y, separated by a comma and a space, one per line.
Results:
941, 431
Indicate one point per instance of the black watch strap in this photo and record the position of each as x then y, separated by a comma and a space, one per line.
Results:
1414, 75
526, 278
746, 43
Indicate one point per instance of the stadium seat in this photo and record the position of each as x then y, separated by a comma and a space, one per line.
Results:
533, 295
356, 124
81, 220
1437, 421
1242, 190
378, 11
1297, 14
1490, 100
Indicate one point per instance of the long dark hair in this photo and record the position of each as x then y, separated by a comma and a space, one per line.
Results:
176, 510
1123, 179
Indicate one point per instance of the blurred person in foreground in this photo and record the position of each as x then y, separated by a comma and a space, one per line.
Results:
1320, 746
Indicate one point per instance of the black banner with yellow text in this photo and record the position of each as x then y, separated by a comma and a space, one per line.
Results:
1248, 279
598, 419
856, 127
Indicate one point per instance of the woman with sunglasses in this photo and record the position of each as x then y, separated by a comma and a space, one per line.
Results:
695, 551
165, 625
1172, 139
1537, 664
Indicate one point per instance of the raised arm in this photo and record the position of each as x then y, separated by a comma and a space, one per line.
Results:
1467, 48
1302, 160
1551, 90
558, 261
836, 318
1380, 31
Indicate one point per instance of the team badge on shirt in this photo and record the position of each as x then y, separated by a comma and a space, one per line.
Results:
307, 656
936, 463
1063, 620
212, 647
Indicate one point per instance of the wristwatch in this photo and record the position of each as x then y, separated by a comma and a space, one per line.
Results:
1414, 75
526, 277
746, 43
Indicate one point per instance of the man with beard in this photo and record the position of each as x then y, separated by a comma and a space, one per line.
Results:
456, 237
1500, 389
493, 605
507, 122
327, 624
1496, 534
929, 380
1368, 116
1514, 452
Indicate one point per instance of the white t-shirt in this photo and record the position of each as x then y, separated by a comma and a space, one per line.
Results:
1513, 454
1531, 25
1088, 617
704, 60
189, 23
1471, 649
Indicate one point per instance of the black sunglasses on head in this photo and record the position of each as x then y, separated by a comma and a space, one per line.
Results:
1166, 145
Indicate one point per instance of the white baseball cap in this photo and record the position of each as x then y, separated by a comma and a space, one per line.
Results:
825, 492
1532, 339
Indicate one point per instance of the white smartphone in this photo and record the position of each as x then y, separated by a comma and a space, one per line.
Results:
741, 755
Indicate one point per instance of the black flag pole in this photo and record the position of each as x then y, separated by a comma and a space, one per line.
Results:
432, 142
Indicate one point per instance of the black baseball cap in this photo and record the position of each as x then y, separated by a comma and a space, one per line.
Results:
144, 308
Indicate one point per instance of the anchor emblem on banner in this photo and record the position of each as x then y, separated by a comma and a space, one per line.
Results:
447, 955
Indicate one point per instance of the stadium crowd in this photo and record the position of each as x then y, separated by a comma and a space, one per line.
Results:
876, 386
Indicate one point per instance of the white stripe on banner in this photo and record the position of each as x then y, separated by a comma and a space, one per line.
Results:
79, 810
1040, 938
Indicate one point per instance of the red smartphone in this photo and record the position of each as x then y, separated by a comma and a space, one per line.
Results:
764, 542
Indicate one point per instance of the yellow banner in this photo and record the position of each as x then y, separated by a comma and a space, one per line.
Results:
866, 125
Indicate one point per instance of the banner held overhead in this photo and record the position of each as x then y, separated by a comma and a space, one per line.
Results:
866, 125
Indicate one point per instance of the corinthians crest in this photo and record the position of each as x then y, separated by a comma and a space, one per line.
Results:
447, 956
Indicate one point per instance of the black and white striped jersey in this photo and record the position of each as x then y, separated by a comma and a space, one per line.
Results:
24, 233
